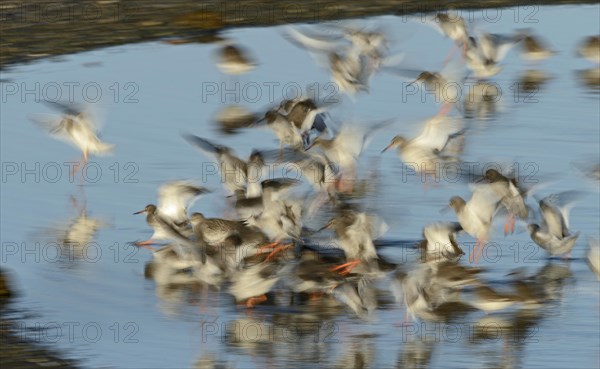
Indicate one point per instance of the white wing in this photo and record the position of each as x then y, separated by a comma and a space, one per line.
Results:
436, 132
484, 201
174, 198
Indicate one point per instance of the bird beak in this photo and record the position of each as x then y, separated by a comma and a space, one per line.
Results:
386, 148
139, 212
445, 209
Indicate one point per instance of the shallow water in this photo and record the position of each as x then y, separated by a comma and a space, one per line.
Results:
152, 92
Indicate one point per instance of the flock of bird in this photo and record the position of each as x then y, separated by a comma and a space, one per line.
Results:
266, 244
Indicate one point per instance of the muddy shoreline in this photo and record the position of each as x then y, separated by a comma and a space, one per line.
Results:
30, 29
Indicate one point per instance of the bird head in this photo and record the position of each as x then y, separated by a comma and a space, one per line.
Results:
397, 141
457, 203
533, 228
149, 209
197, 218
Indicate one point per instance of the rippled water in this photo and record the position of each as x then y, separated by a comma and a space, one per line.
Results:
152, 92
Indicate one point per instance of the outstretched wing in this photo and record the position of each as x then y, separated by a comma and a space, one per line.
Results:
174, 198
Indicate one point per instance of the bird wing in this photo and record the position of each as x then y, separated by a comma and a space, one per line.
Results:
174, 198
371, 129
505, 44
50, 123
318, 46
484, 201
429, 20
436, 234
377, 226
66, 108
555, 210
436, 132
204, 144
312, 42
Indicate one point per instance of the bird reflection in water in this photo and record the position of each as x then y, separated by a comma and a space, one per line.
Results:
75, 238
530, 83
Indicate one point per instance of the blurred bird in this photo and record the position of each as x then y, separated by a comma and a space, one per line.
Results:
234, 59
533, 48
345, 148
452, 26
215, 230
287, 133
233, 170
484, 54
494, 47
175, 197
439, 142
590, 49
512, 196
76, 127
475, 216
440, 242
355, 232
233, 117
445, 85
164, 229
554, 235
593, 256
305, 115
352, 62
251, 283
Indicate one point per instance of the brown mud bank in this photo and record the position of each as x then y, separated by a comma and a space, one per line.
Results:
37, 29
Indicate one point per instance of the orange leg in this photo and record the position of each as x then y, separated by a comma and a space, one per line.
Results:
277, 250
509, 226
480, 250
446, 108
473, 255
255, 300
345, 268
145, 244
262, 248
